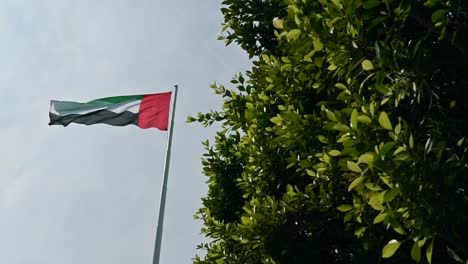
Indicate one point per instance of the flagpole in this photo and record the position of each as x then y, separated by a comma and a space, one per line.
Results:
162, 205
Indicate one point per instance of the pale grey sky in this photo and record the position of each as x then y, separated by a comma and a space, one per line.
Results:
90, 194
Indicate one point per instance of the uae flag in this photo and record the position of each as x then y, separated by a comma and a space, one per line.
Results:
144, 111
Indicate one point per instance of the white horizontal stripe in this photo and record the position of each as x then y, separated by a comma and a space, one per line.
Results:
129, 106
75, 108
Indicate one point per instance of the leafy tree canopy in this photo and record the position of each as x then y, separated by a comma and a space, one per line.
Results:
347, 140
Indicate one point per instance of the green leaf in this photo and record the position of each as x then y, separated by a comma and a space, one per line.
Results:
390, 248
297, 20
432, 3
245, 220
452, 104
337, 4
278, 120
354, 116
386, 180
278, 23
318, 46
341, 127
422, 242
304, 163
390, 195
366, 158
334, 153
372, 108
455, 256
429, 251
416, 252
286, 67
285, 59
345, 208
353, 166
460, 142
384, 101
331, 116
358, 232
348, 216
367, 65
379, 218
399, 229
364, 119
438, 15
386, 147
398, 129
293, 34
398, 150
322, 139
356, 182
190, 119
332, 67
384, 121
373, 187
340, 86
311, 173
375, 201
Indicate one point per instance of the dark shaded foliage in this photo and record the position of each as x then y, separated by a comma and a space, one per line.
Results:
346, 142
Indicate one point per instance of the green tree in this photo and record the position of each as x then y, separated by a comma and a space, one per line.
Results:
248, 23
346, 141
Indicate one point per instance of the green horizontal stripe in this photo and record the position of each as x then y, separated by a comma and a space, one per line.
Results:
68, 108
118, 99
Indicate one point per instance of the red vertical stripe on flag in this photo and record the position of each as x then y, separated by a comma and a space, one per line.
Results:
154, 111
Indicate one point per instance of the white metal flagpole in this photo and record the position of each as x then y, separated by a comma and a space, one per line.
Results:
162, 205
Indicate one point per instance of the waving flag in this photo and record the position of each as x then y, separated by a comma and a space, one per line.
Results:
144, 111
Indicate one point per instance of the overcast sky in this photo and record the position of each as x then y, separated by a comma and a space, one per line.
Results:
90, 194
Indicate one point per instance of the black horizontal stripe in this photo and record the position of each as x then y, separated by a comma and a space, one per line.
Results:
97, 117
